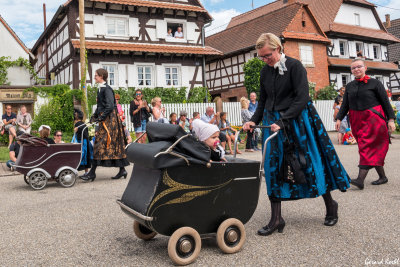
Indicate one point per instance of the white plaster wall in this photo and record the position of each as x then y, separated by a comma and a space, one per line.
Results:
19, 76
346, 16
9, 47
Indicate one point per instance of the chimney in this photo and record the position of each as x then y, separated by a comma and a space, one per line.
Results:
387, 24
44, 15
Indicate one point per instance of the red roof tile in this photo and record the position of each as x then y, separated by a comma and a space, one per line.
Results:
305, 36
346, 62
245, 35
361, 31
150, 48
151, 3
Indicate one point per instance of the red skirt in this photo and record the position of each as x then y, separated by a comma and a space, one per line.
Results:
372, 136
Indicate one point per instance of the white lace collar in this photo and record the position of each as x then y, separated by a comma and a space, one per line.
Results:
281, 64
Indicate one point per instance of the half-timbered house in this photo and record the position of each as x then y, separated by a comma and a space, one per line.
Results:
353, 27
131, 40
293, 22
393, 27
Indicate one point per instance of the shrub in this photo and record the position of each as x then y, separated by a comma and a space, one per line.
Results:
198, 95
58, 112
252, 69
326, 93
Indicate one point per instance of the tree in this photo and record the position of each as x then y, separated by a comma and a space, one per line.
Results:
326, 93
252, 69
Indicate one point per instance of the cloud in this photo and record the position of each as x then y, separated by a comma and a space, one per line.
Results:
221, 20
214, 2
25, 17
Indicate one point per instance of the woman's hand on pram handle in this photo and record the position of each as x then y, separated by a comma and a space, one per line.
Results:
274, 127
248, 126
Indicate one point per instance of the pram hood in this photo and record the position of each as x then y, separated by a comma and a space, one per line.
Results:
161, 137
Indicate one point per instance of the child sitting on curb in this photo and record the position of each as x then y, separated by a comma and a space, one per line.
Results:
209, 134
348, 138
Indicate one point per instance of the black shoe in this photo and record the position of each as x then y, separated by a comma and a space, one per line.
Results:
88, 177
119, 175
332, 219
266, 230
383, 180
358, 184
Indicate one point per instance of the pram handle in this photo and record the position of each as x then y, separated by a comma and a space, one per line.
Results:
260, 126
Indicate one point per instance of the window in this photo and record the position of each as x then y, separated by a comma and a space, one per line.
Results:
343, 48
117, 26
379, 78
111, 74
175, 30
171, 76
145, 76
345, 79
376, 51
306, 54
359, 49
357, 19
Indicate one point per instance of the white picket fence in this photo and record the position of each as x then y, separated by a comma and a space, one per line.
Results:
324, 108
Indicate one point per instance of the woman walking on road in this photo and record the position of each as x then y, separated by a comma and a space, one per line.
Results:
301, 161
369, 108
110, 142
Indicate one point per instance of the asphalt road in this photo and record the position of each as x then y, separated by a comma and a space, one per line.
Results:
83, 226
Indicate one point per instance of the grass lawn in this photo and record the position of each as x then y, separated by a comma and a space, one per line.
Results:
4, 156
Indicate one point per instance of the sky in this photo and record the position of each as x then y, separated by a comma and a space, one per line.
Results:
26, 16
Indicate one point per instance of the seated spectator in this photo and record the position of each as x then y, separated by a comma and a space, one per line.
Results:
14, 151
183, 121
24, 121
179, 33
208, 133
169, 33
230, 133
196, 115
10, 121
128, 136
348, 138
58, 137
44, 132
173, 118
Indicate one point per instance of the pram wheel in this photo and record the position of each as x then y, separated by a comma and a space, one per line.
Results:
142, 231
231, 235
26, 179
38, 180
184, 246
67, 178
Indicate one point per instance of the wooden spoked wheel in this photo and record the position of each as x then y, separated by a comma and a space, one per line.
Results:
231, 235
142, 231
184, 246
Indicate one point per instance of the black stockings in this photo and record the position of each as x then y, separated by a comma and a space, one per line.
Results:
276, 213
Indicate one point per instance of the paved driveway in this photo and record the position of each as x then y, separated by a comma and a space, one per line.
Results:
84, 226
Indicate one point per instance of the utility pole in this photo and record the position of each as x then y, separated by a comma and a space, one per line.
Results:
83, 55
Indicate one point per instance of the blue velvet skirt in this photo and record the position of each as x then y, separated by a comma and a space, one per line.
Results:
322, 167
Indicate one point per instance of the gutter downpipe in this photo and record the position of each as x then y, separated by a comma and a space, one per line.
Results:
204, 57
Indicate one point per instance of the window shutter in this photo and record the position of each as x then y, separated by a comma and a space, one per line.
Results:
384, 50
161, 31
99, 25
133, 27
336, 48
371, 51
352, 49
191, 31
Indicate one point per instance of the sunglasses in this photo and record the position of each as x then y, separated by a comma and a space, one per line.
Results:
138, 94
59, 135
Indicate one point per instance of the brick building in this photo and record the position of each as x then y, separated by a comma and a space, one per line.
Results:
352, 26
293, 22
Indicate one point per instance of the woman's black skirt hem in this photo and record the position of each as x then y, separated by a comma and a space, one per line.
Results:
112, 163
